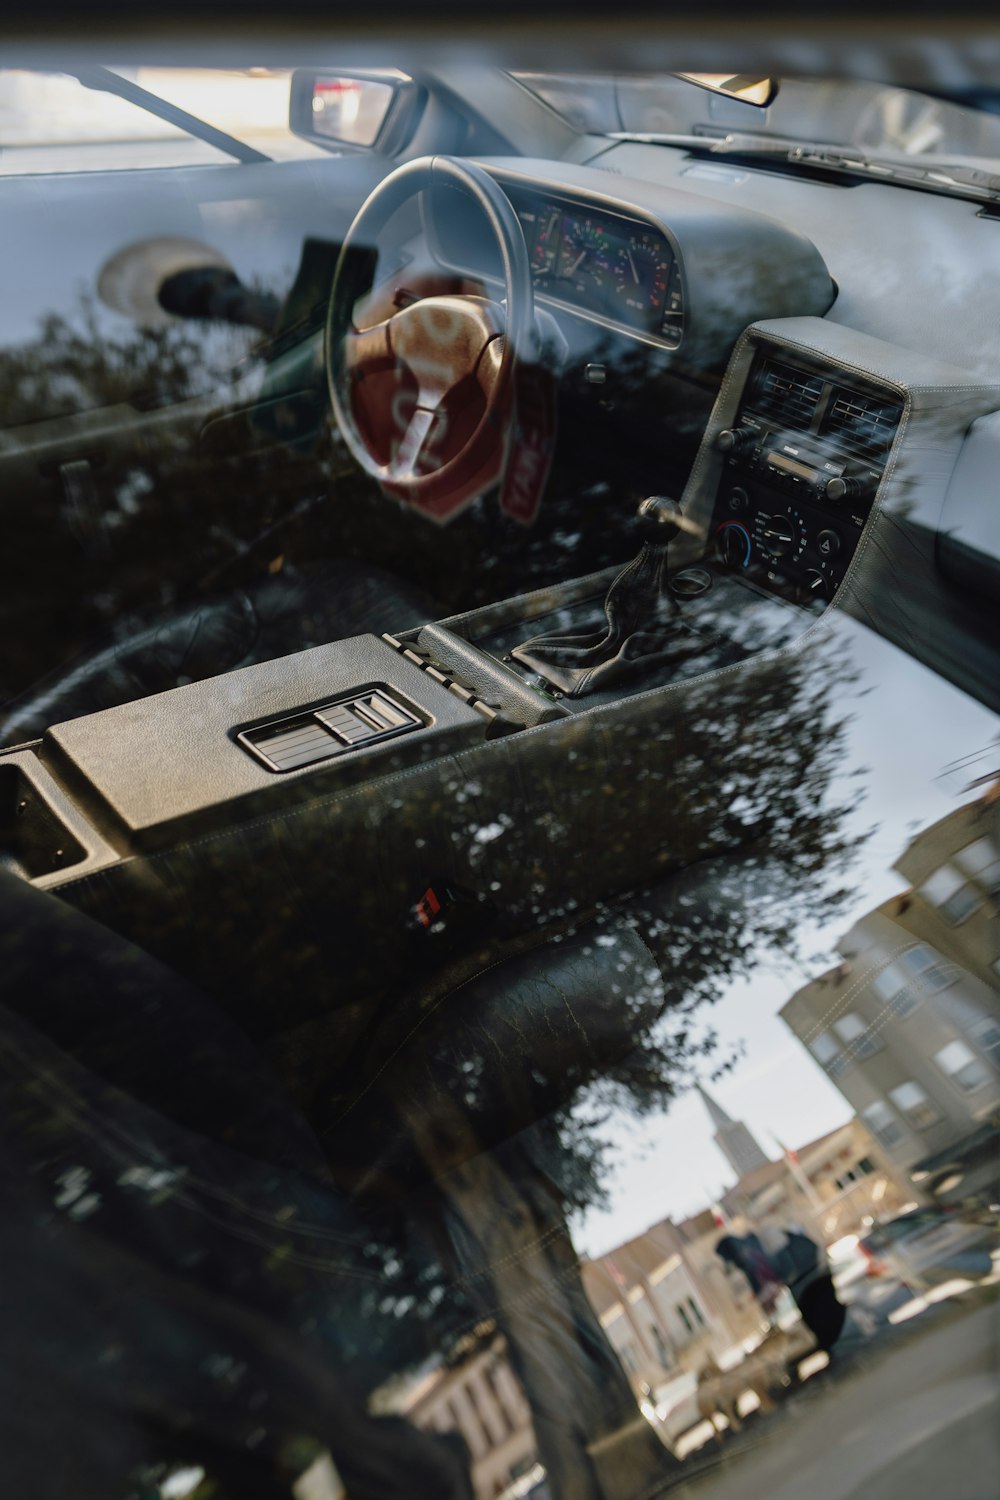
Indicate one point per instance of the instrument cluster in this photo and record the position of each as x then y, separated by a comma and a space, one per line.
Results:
620, 269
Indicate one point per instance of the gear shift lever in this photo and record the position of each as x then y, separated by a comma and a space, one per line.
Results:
637, 608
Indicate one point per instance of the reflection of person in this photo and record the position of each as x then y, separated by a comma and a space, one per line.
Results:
776, 1256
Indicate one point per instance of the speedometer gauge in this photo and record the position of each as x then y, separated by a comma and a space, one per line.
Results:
585, 255
642, 274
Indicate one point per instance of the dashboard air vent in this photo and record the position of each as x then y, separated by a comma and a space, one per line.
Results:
865, 423
786, 395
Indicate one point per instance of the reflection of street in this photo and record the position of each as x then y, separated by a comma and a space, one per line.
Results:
913, 1411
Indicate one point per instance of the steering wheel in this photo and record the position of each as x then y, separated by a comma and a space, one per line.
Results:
422, 398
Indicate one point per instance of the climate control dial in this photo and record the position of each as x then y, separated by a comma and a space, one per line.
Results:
734, 545
780, 536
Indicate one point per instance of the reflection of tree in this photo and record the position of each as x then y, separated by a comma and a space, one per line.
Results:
171, 505
489, 1112
466, 1144
76, 365
160, 503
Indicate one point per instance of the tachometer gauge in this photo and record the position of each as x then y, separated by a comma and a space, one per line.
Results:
642, 273
585, 255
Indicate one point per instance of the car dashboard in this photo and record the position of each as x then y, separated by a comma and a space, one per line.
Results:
655, 271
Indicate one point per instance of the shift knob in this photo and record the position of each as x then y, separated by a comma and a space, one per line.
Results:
660, 519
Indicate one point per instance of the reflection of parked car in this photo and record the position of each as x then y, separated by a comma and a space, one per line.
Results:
677, 1407
929, 1244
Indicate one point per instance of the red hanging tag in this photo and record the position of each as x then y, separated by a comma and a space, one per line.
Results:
532, 444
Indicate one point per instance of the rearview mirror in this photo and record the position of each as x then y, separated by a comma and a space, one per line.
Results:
747, 90
352, 109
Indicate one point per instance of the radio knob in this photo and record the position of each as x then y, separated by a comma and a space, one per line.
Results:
736, 440
848, 489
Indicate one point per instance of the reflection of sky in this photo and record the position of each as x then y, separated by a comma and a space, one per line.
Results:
908, 729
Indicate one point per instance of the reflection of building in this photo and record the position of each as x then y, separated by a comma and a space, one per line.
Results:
908, 1026
733, 1139
478, 1397
832, 1187
954, 903
665, 1302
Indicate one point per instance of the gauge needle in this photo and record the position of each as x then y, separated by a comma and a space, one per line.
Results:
635, 273
576, 264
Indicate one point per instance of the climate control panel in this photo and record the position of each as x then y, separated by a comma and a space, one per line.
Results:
757, 529
801, 467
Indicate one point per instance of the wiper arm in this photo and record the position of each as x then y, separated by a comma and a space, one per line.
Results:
104, 81
949, 177
973, 183
731, 143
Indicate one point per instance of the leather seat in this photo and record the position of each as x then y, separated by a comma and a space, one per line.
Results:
299, 608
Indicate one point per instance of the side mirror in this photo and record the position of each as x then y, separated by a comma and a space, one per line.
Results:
359, 110
739, 86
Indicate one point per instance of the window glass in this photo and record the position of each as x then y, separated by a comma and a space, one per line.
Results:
889, 982
981, 860
967, 899
987, 1037
934, 974
893, 986
962, 1066
941, 884
911, 1101
882, 1122
857, 1031
823, 1047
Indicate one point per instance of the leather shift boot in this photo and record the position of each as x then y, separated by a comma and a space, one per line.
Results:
642, 627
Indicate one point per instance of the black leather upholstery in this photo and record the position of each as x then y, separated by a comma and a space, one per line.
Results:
298, 608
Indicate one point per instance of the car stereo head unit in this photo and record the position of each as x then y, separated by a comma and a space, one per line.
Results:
803, 462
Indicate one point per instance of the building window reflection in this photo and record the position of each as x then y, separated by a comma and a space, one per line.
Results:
955, 895
961, 1065
911, 1101
858, 1032
882, 1123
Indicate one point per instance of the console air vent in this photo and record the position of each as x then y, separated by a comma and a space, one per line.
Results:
787, 395
865, 423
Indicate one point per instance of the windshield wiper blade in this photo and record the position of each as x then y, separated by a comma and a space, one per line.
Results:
105, 81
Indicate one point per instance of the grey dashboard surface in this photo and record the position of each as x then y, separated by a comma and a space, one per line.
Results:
169, 765
917, 269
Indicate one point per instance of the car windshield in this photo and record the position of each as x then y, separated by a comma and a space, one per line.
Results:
869, 116
499, 758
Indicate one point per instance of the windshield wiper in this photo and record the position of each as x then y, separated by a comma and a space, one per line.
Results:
947, 176
974, 183
104, 81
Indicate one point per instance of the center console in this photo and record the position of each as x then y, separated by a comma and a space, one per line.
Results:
814, 426
801, 466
